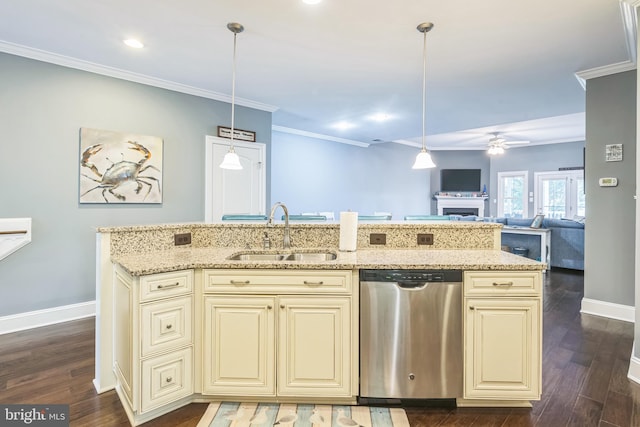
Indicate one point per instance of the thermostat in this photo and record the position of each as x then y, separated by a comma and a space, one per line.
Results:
608, 182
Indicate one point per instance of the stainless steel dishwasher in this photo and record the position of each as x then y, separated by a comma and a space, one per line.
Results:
410, 334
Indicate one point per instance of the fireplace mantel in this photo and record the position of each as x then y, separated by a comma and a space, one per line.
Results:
476, 202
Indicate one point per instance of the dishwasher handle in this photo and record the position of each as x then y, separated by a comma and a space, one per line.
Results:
412, 286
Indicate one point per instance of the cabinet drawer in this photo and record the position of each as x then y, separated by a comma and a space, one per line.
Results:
280, 282
166, 324
166, 378
164, 285
509, 283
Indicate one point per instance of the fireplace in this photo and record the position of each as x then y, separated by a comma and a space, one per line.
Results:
460, 211
460, 205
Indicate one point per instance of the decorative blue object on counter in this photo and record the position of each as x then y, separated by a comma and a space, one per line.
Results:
244, 217
306, 218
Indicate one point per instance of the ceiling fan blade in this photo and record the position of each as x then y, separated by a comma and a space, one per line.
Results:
515, 142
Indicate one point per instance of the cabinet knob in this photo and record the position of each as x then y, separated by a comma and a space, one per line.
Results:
282, 306
169, 326
472, 308
169, 379
269, 307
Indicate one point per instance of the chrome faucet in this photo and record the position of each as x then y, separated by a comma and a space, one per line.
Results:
286, 240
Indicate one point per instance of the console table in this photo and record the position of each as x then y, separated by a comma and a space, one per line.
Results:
545, 239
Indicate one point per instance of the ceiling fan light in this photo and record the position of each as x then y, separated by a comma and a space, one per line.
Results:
495, 149
423, 160
231, 161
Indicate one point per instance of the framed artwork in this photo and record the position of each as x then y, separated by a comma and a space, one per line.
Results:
238, 134
119, 167
613, 152
537, 221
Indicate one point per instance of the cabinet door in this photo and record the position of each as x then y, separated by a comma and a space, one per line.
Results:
314, 346
239, 346
502, 354
166, 378
165, 325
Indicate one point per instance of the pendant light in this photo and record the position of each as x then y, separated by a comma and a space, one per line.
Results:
231, 159
423, 159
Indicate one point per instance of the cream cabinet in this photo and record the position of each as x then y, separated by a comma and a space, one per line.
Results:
153, 342
286, 334
503, 335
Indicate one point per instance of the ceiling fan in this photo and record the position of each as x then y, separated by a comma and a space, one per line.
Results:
497, 144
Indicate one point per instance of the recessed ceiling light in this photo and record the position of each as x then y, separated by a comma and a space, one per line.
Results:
134, 43
311, 1
380, 117
343, 125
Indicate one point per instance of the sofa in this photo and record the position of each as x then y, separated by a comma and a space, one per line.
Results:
567, 239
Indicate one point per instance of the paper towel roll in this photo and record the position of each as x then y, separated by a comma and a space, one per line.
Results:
348, 231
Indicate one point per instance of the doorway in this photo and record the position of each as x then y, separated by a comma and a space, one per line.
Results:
560, 194
234, 192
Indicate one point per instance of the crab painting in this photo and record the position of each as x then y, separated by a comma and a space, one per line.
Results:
130, 179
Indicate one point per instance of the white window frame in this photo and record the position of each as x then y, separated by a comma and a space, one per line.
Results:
525, 192
571, 176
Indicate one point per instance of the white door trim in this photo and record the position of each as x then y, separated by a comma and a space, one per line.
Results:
209, 168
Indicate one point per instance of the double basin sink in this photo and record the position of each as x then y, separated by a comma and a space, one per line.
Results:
293, 256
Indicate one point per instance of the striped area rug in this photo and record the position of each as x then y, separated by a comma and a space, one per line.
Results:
227, 414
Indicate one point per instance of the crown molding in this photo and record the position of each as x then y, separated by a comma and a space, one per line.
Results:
629, 12
91, 67
300, 132
407, 142
605, 70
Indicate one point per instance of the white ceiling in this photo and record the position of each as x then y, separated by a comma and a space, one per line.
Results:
492, 66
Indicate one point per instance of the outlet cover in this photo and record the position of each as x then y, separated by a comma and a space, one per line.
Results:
425, 239
377, 239
182, 239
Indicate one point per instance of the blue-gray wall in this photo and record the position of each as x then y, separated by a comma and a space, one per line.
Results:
476, 159
610, 223
310, 175
42, 108
537, 158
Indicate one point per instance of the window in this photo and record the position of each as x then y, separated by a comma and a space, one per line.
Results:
512, 194
560, 194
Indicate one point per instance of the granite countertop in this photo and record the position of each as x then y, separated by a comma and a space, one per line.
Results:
197, 258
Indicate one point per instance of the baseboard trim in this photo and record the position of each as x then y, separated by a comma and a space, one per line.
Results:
49, 316
634, 366
608, 309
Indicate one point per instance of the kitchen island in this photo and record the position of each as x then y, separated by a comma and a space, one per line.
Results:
188, 324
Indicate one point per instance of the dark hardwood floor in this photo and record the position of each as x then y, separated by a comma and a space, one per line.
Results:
585, 363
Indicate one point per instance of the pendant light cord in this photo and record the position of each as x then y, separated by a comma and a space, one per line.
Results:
235, 28
233, 89
424, 90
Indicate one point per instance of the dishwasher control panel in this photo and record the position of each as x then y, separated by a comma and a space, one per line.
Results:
411, 275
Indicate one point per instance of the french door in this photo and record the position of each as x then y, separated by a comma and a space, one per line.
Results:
560, 194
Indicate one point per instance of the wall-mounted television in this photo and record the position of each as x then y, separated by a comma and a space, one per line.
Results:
460, 180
